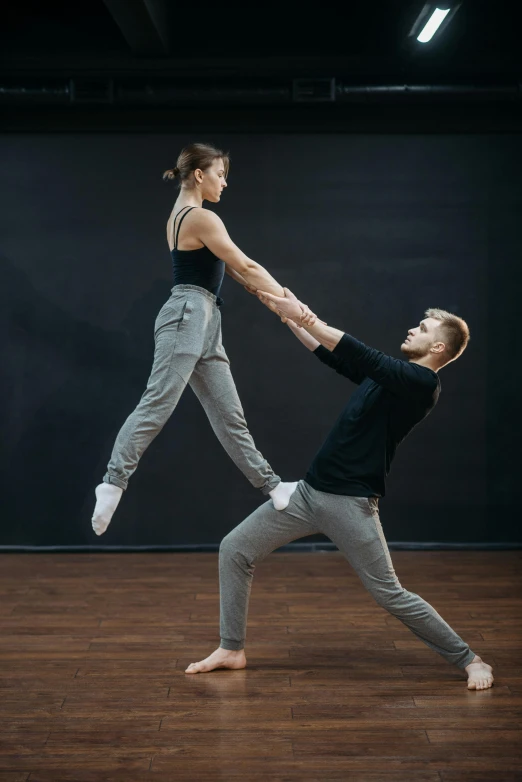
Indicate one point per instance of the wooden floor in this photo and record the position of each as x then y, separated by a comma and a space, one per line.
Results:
93, 648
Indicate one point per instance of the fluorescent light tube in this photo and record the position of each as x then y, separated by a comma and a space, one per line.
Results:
432, 25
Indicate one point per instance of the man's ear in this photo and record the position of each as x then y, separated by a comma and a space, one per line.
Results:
438, 347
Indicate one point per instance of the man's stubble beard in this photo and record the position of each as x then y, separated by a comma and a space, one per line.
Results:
414, 353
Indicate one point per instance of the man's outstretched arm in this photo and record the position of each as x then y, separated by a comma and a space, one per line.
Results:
303, 336
324, 355
394, 374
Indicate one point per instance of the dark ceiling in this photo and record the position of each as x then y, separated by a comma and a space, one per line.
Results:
367, 38
157, 54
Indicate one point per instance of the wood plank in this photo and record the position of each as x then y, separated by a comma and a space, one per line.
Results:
104, 762
27, 642
216, 743
185, 774
22, 742
436, 718
499, 697
67, 723
493, 775
483, 737
336, 744
117, 691
328, 767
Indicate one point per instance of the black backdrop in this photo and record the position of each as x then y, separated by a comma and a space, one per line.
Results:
368, 230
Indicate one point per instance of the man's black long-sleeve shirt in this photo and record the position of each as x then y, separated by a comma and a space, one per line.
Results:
393, 396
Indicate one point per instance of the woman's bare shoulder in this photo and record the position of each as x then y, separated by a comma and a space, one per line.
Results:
204, 217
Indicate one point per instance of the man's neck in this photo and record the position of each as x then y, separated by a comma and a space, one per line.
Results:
426, 361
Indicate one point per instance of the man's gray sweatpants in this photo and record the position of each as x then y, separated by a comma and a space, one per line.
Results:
352, 523
188, 349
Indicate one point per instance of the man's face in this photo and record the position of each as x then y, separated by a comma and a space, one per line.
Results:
421, 338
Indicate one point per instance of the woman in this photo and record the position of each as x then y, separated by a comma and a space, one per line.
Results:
187, 334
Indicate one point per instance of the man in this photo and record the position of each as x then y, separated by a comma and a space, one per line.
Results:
340, 493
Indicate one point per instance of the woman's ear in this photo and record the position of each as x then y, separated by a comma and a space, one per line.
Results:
198, 175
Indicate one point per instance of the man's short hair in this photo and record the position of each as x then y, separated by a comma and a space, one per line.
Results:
454, 329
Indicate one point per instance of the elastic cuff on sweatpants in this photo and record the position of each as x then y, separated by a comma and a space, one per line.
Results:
271, 484
468, 658
114, 481
232, 646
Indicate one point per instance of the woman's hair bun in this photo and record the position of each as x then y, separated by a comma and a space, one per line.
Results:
171, 173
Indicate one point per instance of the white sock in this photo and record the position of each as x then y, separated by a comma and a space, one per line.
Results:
282, 493
107, 499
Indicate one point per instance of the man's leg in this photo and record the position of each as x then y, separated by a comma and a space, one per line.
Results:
257, 536
353, 524
214, 386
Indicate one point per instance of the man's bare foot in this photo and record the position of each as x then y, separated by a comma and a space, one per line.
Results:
221, 658
480, 674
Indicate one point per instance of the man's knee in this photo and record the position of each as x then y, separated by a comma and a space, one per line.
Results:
403, 604
393, 598
230, 547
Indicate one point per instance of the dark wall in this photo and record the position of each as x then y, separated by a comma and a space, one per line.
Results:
368, 230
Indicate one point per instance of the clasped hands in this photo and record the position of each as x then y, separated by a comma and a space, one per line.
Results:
288, 307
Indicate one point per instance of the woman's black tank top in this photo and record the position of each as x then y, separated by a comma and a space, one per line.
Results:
196, 267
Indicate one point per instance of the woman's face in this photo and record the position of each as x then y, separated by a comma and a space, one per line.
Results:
212, 182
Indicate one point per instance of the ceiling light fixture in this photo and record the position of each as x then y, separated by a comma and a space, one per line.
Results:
432, 19
432, 25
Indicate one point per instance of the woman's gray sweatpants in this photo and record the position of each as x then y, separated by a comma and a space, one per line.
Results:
352, 523
188, 349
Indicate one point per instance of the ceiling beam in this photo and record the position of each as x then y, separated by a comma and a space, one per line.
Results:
143, 24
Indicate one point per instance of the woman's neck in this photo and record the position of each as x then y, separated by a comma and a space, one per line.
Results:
189, 198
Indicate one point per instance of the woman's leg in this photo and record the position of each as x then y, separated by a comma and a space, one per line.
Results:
214, 386
179, 339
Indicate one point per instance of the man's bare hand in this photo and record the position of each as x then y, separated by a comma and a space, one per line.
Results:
267, 303
309, 317
282, 306
288, 307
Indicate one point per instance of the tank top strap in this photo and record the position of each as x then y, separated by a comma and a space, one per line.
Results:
189, 209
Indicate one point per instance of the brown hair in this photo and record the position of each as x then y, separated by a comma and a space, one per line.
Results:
196, 156
455, 331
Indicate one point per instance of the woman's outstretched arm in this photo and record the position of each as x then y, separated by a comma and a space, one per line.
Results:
238, 278
211, 230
